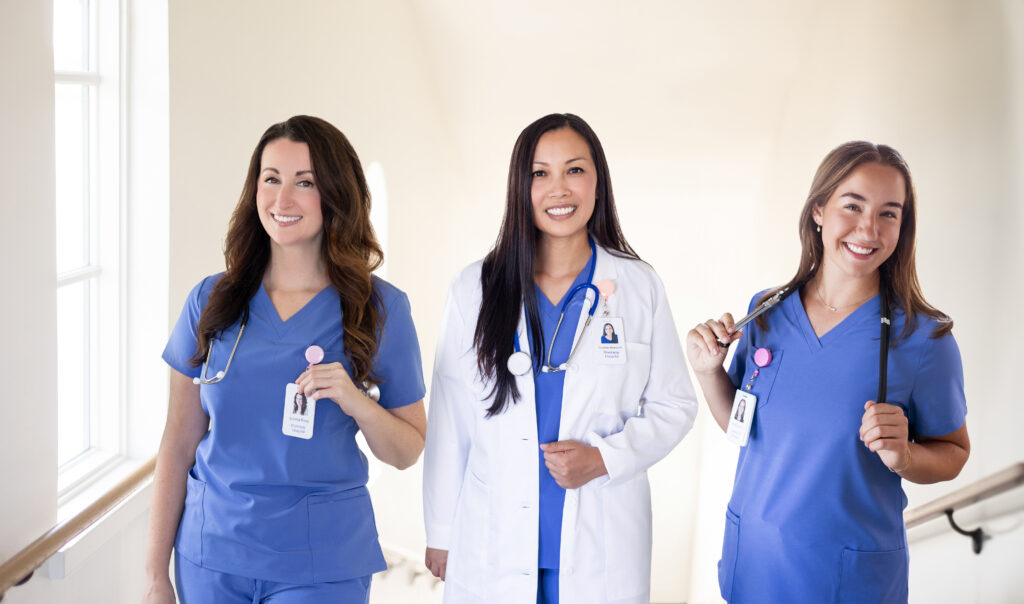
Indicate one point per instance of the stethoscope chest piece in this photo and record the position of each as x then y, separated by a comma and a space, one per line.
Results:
519, 363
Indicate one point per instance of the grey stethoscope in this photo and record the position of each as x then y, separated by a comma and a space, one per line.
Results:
370, 390
205, 379
519, 362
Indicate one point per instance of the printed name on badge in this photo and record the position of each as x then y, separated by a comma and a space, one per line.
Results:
299, 413
741, 418
611, 341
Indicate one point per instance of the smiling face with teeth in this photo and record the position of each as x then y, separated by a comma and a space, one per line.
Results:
860, 222
563, 184
287, 197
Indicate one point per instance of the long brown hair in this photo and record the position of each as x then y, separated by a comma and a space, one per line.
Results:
507, 274
899, 271
349, 248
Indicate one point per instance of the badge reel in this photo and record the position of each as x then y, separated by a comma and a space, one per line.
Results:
741, 417
300, 411
611, 341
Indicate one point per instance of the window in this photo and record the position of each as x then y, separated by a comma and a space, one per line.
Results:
87, 61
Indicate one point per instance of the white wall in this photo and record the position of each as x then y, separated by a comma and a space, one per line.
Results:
28, 439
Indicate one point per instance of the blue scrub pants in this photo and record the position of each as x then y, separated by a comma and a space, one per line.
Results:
547, 586
198, 585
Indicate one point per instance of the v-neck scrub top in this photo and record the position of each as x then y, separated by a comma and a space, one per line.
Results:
548, 395
815, 516
264, 505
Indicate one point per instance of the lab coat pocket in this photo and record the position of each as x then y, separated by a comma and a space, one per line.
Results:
343, 536
875, 577
762, 383
469, 559
627, 538
617, 388
189, 542
730, 544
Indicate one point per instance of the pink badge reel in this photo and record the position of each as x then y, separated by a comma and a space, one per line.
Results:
314, 354
762, 357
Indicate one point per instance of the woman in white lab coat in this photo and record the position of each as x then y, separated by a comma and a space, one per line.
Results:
539, 435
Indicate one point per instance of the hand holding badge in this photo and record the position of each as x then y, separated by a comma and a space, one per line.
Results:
300, 410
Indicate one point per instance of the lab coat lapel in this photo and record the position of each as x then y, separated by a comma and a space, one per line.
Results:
524, 382
603, 269
580, 374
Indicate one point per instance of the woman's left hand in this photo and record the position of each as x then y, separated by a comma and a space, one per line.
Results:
573, 464
884, 430
331, 381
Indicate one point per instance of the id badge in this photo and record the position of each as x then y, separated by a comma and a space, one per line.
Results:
299, 413
611, 341
741, 418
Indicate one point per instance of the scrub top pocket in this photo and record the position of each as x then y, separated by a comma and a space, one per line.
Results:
189, 542
343, 536
727, 565
875, 577
762, 384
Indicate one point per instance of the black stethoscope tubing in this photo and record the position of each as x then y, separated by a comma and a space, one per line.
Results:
883, 345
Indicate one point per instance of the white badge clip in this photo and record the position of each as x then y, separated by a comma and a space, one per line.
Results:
611, 341
299, 413
741, 418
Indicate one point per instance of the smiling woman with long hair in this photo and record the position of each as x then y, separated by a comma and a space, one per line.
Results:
259, 502
816, 513
535, 484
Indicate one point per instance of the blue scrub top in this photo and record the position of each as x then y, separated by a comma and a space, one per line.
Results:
548, 399
264, 505
815, 516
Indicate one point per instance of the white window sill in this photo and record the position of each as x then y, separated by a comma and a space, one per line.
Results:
86, 543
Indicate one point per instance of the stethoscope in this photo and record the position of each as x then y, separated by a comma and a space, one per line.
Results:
205, 379
519, 362
314, 354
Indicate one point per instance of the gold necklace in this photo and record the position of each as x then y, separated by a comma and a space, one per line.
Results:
817, 289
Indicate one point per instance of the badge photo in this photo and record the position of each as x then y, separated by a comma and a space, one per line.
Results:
299, 413
611, 341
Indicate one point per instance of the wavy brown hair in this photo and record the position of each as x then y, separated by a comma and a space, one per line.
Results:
899, 271
349, 248
506, 277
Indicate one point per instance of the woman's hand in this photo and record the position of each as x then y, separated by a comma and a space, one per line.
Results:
573, 464
331, 381
436, 561
884, 430
159, 591
702, 343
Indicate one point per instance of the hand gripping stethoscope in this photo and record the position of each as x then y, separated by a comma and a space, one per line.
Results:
519, 362
314, 354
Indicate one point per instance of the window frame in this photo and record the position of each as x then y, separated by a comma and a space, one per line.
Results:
103, 272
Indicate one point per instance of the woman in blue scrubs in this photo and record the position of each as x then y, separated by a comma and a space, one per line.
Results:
259, 503
535, 484
816, 513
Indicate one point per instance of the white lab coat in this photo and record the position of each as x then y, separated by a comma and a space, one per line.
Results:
480, 478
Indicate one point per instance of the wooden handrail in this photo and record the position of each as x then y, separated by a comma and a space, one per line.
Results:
983, 489
19, 568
